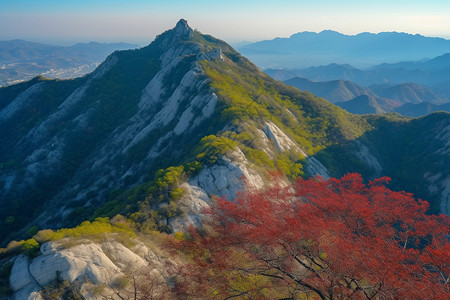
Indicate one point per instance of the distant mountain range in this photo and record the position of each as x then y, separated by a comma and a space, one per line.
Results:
334, 91
411, 82
375, 98
22, 60
432, 72
305, 49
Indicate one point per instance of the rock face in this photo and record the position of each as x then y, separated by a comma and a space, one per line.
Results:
88, 264
363, 152
21, 280
230, 175
281, 140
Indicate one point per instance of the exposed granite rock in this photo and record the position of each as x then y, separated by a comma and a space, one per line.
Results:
439, 184
195, 200
71, 264
313, 167
21, 101
21, 280
88, 264
231, 174
181, 31
366, 156
281, 140
211, 55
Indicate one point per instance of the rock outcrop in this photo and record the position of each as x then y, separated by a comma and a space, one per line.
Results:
88, 264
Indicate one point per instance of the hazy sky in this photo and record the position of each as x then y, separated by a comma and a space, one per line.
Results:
138, 21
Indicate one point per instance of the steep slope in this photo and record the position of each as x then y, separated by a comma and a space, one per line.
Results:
186, 95
414, 152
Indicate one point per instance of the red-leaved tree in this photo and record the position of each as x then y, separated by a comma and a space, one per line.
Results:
316, 239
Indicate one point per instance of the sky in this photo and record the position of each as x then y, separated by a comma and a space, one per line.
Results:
66, 22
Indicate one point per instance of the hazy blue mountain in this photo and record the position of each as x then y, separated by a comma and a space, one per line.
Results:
334, 91
306, 49
22, 60
432, 74
365, 77
15, 51
325, 73
437, 63
421, 109
363, 104
407, 93
374, 99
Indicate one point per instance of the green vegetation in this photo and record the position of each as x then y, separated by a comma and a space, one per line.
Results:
87, 230
248, 99
290, 164
211, 147
148, 204
405, 147
5, 272
30, 247
251, 95
113, 98
96, 230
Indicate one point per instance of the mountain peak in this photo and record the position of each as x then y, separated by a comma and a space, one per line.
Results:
183, 30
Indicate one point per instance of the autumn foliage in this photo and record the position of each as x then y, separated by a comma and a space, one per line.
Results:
317, 239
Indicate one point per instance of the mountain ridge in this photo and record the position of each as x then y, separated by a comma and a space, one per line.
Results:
181, 84
381, 98
155, 134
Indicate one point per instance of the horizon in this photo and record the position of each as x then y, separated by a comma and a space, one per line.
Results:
138, 21
240, 43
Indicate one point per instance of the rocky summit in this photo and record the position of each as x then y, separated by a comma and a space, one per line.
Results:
153, 135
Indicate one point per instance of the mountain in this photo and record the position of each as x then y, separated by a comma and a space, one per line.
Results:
376, 98
421, 109
407, 93
22, 60
364, 104
154, 134
367, 77
68, 144
323, 73
334, 91
401, 148
305, 49
436, 63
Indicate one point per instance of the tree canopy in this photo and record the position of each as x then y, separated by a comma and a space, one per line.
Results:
318, 239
